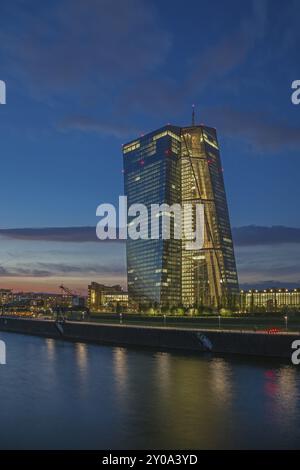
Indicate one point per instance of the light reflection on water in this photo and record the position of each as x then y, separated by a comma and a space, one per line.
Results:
55, 394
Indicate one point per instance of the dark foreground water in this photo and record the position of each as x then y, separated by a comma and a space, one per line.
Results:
55, 394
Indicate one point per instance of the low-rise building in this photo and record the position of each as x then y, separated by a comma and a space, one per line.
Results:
270, 300
101, 297
6, 296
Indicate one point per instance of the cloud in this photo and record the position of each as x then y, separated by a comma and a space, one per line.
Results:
159, 96
258, 129
165, 95
252, 235
60, 269
110, 60
270, 284
271, 264
205, 69
228, 53
54, 234
61, 43
22, 272
266, 256
271, 268
85, 269
89, 124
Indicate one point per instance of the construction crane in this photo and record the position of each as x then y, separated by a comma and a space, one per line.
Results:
60, 309
78, 301
67, 291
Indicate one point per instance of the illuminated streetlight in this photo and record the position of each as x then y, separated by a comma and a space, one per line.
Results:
286, 322
219, 317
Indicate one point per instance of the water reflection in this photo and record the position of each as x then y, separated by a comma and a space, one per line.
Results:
221, 380
50, 345
89, 396
120, 371
163, 371
81, 350
282, 387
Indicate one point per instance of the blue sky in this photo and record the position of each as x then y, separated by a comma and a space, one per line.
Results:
85, 76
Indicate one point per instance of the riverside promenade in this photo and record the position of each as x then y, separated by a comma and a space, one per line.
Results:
213, 341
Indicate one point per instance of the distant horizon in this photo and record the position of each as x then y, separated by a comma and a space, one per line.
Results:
244, 287
256, 250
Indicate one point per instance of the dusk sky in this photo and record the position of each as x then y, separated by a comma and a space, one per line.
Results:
85, 76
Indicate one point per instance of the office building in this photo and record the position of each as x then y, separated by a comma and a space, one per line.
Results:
269, 300
180, 165
101, 297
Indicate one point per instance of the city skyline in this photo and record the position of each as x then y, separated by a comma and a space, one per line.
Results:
61, 132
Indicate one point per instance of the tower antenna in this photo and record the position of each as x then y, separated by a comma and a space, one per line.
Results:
193, 115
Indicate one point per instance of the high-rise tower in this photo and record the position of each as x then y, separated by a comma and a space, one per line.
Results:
152, 169
180, 165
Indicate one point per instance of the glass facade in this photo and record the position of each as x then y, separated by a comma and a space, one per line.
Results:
152, 176
209, 276
180, 165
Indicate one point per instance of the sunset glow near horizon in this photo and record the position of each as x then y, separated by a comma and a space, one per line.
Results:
75, 96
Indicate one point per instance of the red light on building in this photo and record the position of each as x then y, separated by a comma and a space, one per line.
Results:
270, 374
273, 331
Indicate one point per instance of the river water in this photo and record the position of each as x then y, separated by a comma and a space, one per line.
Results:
56, 394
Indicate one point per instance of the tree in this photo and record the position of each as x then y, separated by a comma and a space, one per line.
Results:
225, 312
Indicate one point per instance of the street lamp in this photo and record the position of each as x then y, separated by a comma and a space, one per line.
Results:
121, 318
219, 317
286, 322
165, 317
